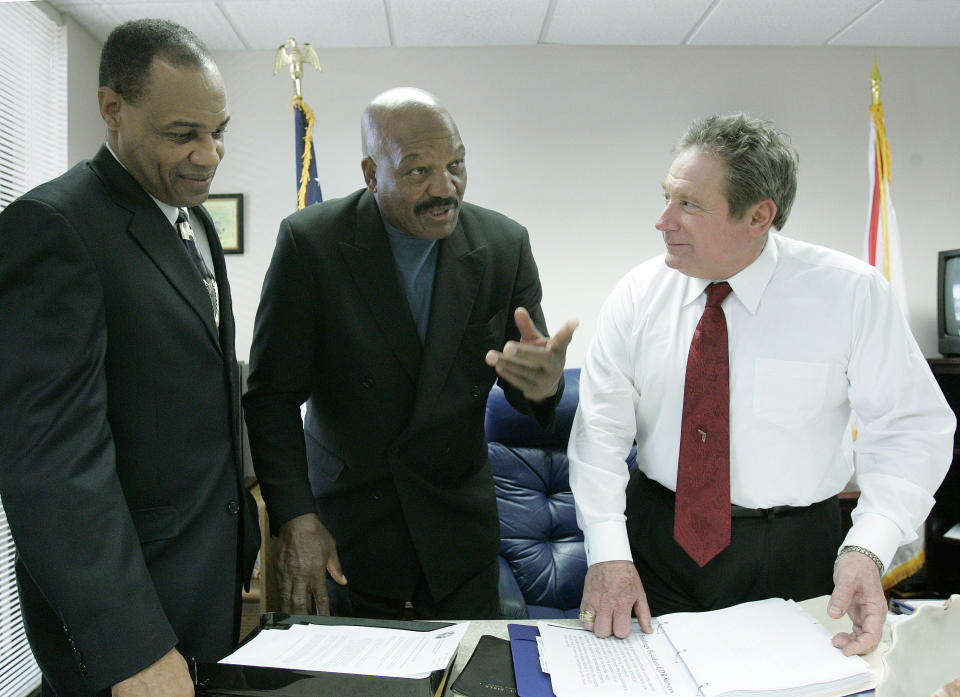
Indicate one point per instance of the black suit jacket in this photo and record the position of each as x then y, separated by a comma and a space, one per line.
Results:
394, 429
119, 457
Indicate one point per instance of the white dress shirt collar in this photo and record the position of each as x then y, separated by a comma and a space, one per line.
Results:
748, 285
171, 212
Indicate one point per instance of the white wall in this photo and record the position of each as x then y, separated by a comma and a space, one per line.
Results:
85, 128
574, 142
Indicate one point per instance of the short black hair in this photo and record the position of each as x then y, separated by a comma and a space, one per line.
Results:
129, 51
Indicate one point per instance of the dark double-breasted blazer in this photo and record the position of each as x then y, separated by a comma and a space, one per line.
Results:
392, 454
119, 439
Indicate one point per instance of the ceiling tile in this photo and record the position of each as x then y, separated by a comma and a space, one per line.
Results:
906, 23
624, 22
327, 24
447, 23
94, 18
777, 23
203, 18
264, 24
63, 4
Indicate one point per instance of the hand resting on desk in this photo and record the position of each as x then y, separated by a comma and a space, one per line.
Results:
858, 593
611, 590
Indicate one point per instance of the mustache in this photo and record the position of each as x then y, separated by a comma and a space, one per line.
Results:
435, 202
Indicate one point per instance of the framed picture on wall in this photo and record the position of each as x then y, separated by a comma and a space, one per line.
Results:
227, 213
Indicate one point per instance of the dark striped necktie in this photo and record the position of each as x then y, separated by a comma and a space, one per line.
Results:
209, 280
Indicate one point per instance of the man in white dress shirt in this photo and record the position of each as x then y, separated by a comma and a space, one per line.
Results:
813, 335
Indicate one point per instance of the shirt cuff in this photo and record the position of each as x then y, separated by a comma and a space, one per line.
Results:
607, 541
876, 533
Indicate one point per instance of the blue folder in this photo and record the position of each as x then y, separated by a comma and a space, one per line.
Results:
531, 681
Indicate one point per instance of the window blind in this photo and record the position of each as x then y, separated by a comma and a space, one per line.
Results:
33, 149
33, 98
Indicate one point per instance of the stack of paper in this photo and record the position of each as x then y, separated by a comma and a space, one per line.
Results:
769, 648
352, 649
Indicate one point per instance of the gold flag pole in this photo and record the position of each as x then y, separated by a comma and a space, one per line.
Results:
291, 54
876, 113
875, 83
295, 56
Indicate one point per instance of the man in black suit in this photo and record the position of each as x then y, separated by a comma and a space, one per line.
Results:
119, 397
379, 309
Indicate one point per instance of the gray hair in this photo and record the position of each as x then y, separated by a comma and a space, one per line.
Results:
761, 161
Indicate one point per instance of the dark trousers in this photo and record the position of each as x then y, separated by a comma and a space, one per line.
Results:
476, 599
789, 555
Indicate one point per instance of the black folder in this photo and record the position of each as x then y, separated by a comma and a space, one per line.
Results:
223, 680
489, 672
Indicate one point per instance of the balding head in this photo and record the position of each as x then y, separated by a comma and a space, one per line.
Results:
402, 114
413, 162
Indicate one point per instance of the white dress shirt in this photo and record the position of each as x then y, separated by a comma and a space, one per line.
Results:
200, 230
171, 213
813, 334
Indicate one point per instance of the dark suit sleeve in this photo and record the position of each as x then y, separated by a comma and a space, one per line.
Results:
58, 477
281, 373
528, 293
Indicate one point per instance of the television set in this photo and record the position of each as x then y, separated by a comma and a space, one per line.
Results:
948, 302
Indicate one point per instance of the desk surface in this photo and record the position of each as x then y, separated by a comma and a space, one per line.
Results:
816, 607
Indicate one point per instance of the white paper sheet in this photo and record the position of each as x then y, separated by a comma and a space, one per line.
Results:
767, 647
762, 646
348, 649
642, 665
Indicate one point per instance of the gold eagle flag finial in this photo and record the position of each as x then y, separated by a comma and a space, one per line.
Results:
295, 56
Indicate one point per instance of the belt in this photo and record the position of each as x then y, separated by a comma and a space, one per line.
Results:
741, 512
642, 482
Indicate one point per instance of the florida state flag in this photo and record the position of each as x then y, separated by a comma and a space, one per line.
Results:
882, 250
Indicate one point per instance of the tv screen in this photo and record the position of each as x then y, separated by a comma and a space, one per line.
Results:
948, 302
951, 297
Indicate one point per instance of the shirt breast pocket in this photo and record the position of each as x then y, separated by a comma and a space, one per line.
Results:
789, 393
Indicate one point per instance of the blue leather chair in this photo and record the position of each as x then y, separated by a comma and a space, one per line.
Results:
542, 560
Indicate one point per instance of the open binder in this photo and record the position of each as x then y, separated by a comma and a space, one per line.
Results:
222, 680
767, 647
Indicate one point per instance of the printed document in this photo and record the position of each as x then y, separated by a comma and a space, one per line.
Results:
348, 649
768, 647
642, 665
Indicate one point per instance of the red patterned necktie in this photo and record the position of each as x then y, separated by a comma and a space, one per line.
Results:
702, 511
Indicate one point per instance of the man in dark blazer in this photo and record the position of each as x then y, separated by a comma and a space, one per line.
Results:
119, 396
385, 311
